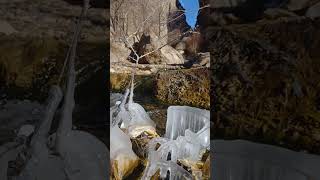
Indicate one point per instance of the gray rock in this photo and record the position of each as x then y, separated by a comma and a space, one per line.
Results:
314, 11
118, 53
171, 56
274, 13
295, 5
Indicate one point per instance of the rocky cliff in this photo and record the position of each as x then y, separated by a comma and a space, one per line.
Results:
264, 81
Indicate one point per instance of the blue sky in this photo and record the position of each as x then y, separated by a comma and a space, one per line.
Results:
192, 8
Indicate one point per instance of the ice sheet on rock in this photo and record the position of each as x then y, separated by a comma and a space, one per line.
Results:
120, 143
85, 157
121, 150
139, 120
182, 118
132, 117
48, 168
114, 97
245, 160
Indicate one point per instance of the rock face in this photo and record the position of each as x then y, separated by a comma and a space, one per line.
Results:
118, 52
148, 26
32, 54
188, 87
147, 45
153, 17
264, 82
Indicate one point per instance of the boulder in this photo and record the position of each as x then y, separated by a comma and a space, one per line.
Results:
171, 56
203, 59
156, 54
180, 47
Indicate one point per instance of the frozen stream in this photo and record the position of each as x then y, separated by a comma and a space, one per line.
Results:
243, 160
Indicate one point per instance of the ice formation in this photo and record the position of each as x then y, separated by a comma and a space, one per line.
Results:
243, 160
167, 169
81, 156
131, 116
121, 152
187, 137
133, 120
190, 122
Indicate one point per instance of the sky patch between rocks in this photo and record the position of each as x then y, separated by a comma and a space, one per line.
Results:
191, 11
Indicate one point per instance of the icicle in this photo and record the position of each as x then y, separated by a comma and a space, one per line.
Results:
165, 167
132, 116
131, 89
120, 114
187, 136
182, 118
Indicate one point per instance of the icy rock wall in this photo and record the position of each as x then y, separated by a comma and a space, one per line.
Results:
182, 118
243, 160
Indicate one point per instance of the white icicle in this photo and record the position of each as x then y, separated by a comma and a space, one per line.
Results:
187, 135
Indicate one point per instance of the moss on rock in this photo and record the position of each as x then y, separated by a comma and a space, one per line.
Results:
184, 87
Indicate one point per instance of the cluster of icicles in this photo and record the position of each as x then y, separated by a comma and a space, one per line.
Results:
187, 137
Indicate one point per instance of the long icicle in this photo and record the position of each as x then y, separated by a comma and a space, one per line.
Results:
131, 89
65, 125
